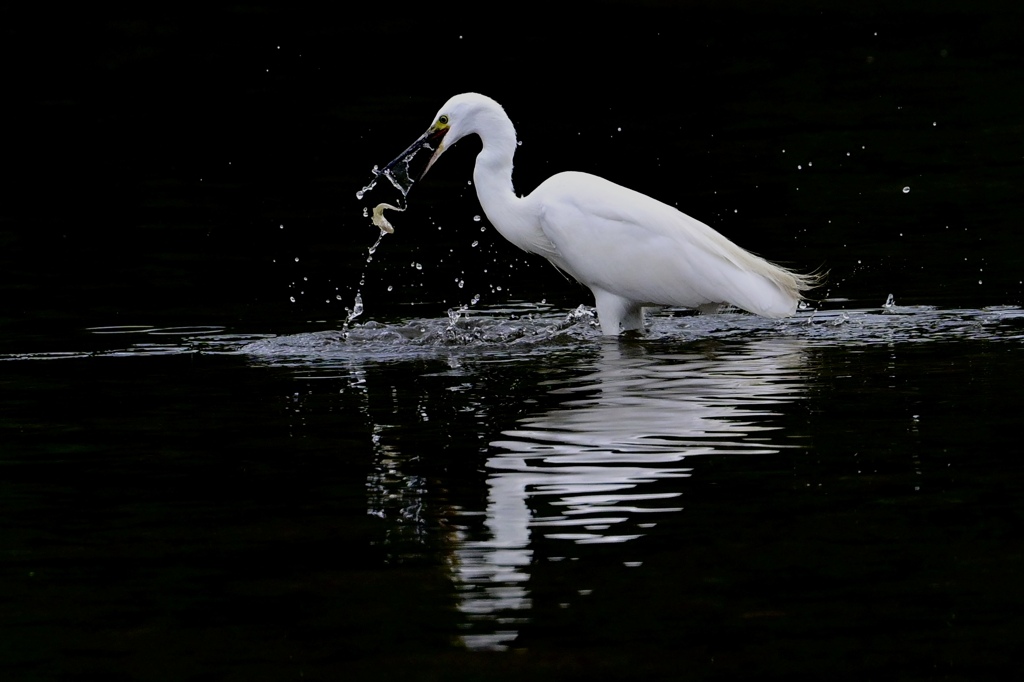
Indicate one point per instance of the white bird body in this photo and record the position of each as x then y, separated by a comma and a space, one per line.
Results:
629, 249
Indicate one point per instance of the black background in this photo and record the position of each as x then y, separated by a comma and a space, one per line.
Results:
168, 164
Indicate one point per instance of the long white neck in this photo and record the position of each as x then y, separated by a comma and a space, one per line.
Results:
493, 179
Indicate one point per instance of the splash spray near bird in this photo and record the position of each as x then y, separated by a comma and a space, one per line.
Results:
630, 250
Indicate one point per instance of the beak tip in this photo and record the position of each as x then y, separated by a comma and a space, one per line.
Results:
434, 157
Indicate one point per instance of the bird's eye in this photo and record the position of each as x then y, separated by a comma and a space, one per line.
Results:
443, 119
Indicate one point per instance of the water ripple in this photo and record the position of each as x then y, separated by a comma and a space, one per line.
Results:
527, 329
611, 460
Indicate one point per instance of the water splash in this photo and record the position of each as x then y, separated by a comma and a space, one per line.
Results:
584, 314
455, 314
527, 329
398, 173
841, 319
373, 183
373, 249
355, 311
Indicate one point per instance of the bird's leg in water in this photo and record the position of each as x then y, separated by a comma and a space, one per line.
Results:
628, 248
615, 312
633, 320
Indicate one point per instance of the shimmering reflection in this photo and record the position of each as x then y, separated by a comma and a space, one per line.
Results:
611, 460
598, 459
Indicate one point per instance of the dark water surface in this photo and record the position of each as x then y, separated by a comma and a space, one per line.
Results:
728, 496
208, 473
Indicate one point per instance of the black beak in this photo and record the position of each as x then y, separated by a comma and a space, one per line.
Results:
399, 172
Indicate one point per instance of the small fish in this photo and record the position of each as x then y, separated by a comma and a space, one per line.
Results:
380, 221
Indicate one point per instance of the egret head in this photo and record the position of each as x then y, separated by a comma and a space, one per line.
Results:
462, 115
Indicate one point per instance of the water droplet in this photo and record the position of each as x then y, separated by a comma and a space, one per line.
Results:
475, 243
906, 190
357, 309
476, 219
292, 299
475, 299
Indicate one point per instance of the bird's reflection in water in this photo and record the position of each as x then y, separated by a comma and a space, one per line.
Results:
610, 460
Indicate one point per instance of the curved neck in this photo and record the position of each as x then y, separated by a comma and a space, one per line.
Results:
492, 176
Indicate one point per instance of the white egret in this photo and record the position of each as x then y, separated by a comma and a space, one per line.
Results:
631, 250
